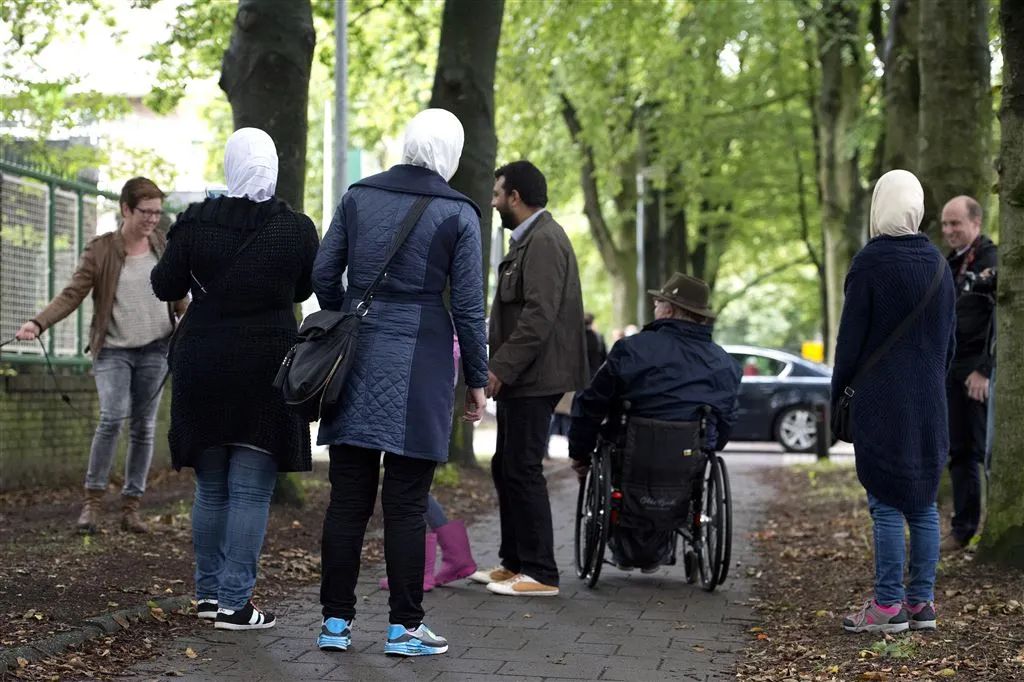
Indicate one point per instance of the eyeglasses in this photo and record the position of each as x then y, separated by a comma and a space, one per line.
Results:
150, 213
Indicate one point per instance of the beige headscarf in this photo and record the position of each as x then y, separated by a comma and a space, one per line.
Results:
897, 205
434, 139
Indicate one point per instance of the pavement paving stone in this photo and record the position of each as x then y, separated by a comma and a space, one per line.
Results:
632, 627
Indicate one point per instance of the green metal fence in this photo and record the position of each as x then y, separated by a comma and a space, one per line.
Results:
45, 223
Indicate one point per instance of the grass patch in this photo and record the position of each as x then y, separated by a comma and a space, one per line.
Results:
447, 475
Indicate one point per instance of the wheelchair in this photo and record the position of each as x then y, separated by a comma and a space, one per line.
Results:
623, 490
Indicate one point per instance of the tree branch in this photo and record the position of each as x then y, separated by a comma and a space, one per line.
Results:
591, 195
757, 106
764, 276
354, 20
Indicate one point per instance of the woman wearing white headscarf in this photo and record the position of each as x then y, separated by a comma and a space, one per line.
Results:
898, 408
399, 396
247, 259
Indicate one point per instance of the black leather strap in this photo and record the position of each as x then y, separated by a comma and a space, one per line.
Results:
901, 329
408, 223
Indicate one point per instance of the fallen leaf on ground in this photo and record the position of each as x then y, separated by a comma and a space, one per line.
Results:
190, 653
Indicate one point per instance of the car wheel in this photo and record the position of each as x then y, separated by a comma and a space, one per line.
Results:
796, 429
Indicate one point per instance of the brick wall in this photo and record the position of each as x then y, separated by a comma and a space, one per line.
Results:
43, 442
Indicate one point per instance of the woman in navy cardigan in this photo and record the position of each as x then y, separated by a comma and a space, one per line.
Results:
900, 429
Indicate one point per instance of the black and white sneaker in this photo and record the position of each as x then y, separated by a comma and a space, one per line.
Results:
249, 618
206, 609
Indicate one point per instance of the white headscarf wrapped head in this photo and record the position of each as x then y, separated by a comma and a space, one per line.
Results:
434, 139
897, 205
250, 165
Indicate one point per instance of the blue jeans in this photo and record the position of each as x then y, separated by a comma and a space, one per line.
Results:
435, 516
234, 485
990, 429
128, 384
891, 553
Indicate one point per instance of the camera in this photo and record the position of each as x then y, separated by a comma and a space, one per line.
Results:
983, 283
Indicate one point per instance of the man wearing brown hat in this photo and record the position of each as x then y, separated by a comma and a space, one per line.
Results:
668, 371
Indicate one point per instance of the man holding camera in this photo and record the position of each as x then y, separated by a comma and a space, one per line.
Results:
973, 260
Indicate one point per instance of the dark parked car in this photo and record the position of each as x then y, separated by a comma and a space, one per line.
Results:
779, 397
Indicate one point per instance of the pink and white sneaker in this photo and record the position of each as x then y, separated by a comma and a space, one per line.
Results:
877, 618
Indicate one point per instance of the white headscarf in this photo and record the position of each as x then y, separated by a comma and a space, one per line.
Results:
434, 139
250, 165
897, 205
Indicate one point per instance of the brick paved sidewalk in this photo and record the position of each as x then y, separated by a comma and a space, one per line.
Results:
632, 627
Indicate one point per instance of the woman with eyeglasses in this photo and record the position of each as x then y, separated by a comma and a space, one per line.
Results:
127, 342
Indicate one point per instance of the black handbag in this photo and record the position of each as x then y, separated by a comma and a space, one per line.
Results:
841, 420
313, 372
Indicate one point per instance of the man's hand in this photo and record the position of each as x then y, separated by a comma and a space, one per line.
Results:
581, 469
977, 387
493, 384
28, 332
475, 405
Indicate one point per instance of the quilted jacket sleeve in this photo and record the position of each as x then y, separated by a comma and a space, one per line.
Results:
331, 261
467, 299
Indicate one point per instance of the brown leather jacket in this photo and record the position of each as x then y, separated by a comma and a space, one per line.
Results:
99, 272
536, 336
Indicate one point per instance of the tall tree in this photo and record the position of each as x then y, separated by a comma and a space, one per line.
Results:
956, 105
464, 85
1003, 539
265, 74
902, 87
841, 69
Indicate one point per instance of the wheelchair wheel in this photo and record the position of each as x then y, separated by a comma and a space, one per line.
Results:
593, 507
723, 472
711, 541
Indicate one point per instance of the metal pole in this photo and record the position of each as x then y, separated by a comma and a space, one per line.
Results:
51, 266
79, 247
328, 201
640, 275
340, 99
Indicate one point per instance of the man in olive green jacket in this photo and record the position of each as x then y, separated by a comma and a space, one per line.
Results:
538, 353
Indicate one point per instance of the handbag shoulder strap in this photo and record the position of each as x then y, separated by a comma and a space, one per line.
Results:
404, 230
231, 261
903, 327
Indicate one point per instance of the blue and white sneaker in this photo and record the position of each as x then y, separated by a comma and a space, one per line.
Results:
335, 635
418, 642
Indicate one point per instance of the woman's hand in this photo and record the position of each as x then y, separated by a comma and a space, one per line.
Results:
476, 402
28, 332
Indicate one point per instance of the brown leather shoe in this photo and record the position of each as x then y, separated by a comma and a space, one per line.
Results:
90, 511
131, 521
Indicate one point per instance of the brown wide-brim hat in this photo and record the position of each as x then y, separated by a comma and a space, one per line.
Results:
689, 293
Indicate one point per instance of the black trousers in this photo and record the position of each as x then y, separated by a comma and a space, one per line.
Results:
968, 422
354, 475
527, 536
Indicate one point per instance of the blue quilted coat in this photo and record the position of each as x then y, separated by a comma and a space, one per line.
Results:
399, 396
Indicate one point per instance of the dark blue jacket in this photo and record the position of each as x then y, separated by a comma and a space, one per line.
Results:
399, 396
900, 423
667, 371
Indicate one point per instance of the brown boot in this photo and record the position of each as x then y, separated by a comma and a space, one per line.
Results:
131, 521
90, 511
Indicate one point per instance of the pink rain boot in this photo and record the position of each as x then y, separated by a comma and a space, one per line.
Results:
456, 557
430, 548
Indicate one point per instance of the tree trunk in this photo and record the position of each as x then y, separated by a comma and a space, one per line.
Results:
839, 54
956, 105
1003, 538
902, 87
265, 75
464, 85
